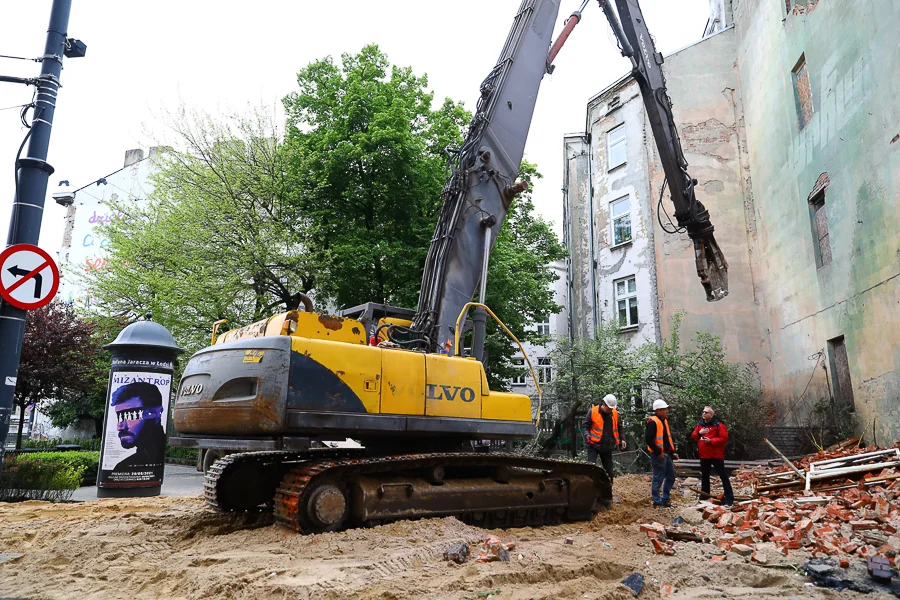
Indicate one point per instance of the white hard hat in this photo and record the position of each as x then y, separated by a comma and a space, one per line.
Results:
658, 404
610, 400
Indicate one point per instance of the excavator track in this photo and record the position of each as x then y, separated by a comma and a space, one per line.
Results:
246, 480
329, 489
490, 490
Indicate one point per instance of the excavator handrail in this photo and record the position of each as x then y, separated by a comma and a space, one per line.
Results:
514, 338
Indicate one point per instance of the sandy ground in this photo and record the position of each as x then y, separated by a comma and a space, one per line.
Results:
177, 548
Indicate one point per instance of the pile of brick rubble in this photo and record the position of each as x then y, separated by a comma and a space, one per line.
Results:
841, 504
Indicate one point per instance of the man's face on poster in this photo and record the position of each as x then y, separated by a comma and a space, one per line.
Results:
131, 416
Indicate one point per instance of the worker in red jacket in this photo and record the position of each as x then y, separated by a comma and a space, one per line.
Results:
711, 436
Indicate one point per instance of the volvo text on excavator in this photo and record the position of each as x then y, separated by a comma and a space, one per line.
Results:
398, 380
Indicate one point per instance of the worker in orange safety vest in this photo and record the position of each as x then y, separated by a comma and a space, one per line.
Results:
601, 432
662, 451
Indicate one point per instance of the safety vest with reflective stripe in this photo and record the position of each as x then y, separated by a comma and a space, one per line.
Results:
660, 441
596, 432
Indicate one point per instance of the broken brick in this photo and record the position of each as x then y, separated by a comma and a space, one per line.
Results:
759, 557
718, 558
844, 563
804, 526
725, 520
658, 546
818, 514
742, 549
863, 524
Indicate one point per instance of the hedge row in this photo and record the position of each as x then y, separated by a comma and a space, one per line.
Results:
48, 478
92, 444
188, 455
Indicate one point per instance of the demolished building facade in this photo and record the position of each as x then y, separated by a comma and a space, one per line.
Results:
789, 115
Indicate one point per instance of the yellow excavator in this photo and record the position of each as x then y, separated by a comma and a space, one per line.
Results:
398, 380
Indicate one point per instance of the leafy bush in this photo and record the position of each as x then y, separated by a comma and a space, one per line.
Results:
28, 479
92, 444
586, 370
88, 462
182, 454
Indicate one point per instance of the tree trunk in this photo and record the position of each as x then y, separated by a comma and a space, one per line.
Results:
572, 433
98, 427
21, 425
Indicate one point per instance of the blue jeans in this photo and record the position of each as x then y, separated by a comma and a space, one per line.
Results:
663, 476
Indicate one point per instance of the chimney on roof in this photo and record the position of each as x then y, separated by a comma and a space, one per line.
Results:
133, 156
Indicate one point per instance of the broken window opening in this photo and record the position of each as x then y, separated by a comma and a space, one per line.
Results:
819, 221
803, 92
840, 372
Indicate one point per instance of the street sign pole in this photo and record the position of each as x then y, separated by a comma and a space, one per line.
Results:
32, 173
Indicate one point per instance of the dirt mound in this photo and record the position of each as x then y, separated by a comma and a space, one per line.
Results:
178, 548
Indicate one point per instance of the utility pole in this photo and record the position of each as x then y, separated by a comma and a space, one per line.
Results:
32, 173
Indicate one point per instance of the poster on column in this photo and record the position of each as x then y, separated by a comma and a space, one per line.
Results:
134, 436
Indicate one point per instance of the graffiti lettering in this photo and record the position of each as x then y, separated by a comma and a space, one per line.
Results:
104, 218
90, 240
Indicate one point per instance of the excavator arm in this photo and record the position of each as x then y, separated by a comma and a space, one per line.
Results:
481, 186
478, 193
690, 214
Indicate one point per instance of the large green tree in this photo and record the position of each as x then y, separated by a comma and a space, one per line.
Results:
369, 157
222, 237
345, 207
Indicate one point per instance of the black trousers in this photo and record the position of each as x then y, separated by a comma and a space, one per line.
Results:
706, 466
605, 459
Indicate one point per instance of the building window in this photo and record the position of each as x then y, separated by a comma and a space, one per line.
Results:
840, 374
522, 373
620, 213
637, 398
543, 326
544, 372
615, 147
626, 302
803, 92
819, 217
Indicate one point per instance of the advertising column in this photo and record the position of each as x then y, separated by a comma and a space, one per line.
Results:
133, 448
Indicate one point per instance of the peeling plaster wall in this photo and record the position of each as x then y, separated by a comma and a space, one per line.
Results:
634, 258
852, 58
578, 236
703, 84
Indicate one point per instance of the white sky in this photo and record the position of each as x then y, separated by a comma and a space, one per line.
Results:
219, 55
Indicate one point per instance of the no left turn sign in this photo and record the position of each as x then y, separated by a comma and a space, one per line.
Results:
29, 277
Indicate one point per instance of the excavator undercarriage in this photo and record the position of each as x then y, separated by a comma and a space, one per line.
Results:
328, 489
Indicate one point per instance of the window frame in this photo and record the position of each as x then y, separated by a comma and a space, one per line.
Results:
609, 146
544, 370
521, 379
613, 219
626, 298
816, 204
799, 73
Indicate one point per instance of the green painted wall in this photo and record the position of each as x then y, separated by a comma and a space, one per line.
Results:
852, 55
